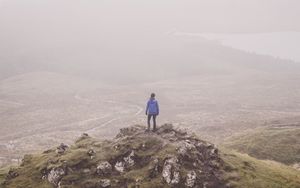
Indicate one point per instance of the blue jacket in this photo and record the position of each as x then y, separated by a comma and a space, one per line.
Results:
152, 107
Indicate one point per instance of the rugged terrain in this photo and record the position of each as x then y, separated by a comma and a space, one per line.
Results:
134, 158
169, 157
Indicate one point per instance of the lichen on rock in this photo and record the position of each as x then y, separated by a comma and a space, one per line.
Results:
55, 175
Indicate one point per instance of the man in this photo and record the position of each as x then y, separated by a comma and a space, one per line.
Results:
152, 110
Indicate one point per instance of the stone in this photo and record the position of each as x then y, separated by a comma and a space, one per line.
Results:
170, 135
185, 146
61, 148
170, 171
86, 171
129, 159
91, 152
104, 183
104, 168
154, 168
191, 179
55, 175
12, 173
120, 166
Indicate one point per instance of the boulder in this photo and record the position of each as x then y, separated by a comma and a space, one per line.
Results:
55, 175
104, 168
104, 183
61, 148
170, 171
120, 166
191, 179
185, 146
129, 161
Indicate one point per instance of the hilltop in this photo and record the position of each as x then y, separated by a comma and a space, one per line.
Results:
169, 157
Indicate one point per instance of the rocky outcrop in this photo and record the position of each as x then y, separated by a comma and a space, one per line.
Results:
171, 172
134, 158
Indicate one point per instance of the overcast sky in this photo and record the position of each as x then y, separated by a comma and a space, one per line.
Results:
54, 28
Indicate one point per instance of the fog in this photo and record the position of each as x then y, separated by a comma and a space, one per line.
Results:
98, 37
74, 66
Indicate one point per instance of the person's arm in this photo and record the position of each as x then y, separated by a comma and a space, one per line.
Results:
147, 107
157, 106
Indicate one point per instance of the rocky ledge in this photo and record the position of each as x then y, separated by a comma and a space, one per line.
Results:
168, 157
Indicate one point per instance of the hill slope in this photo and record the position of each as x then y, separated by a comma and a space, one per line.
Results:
135, 158
281, 144
244, 171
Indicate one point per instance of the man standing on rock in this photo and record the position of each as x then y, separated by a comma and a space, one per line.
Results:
152, 110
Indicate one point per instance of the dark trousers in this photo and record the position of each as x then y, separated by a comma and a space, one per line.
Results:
153, 116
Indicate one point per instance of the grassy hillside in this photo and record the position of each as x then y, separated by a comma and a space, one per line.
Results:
167, 158
279, 144
245, 171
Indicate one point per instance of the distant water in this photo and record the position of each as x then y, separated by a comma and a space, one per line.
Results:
284, 45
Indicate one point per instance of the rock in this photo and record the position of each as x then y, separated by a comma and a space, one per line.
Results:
104, 168
214, 152
116, 147
55, 175
170, 171
201, 146
120, 166
12, 173
205, 184
170, 136
191, 179
214, 164
91, 152
86, 171
185, 146
154, 168
129, 159
127, 162
104, 183
138, 183
182, 132
165, 128
61, 148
